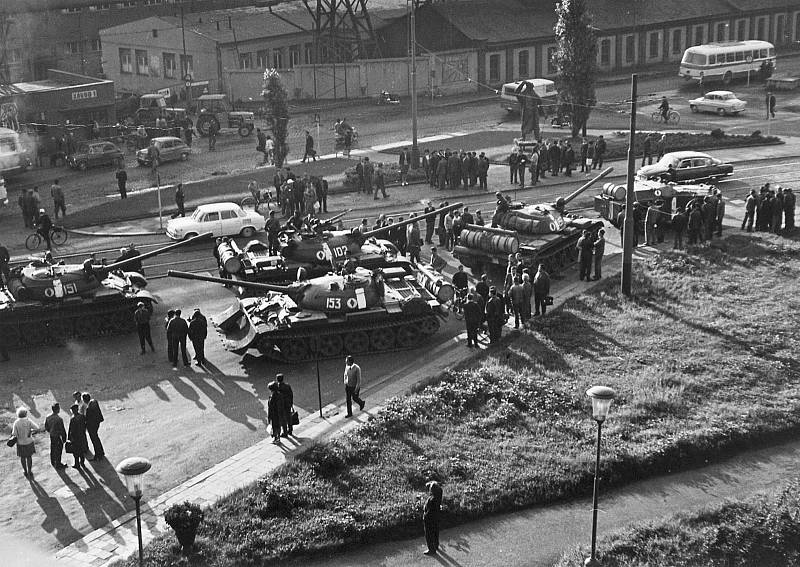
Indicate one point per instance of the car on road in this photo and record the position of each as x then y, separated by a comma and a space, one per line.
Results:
723, 103
169, 149
220, 219
689, 166
95, 154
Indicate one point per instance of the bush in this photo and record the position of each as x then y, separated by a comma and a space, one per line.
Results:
756, 134
184, 519
717, 133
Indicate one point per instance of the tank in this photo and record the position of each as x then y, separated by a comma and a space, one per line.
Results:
648, 192
543, 233
369, 311
47, 302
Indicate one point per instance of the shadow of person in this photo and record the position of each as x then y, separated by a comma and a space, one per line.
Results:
446, 559
233, 401
210, 368
55, 521
187, 390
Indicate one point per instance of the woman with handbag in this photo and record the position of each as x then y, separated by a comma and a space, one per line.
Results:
22, 434
76, 437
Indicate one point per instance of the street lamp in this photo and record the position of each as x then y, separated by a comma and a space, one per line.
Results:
133, 470
602, 397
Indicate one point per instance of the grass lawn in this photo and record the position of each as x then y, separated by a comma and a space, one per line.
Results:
763, 531
703, 361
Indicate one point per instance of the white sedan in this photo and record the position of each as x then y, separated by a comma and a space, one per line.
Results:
721, 102
220, 219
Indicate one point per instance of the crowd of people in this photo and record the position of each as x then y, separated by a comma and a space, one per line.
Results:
554, 157
85, 419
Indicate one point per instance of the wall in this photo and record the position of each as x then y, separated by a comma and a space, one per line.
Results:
447, 71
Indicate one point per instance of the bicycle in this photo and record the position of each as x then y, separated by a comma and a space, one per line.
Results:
673, 117
58, 237
258, 196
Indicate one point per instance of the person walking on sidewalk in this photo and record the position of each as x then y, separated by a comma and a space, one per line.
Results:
309, 152
142, 319
288, 403
23, 430
352, 385
276, 412
430, 517
122, 181
94, 417
180, 200
54, 425
59, 203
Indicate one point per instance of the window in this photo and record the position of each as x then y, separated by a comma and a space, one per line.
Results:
630, 48
211, 217
653, 45
262, 59
308, 53
170, 66
761, 28
73, 47
277, 59
228, 214
142, 68
741, 30
739, 56
677, 41
71, 10
522, 63
245, 61
605, 52
551, 68
722, 31
125, 60
127, 4
294, 57
730, 57
94, 45
712, 59
99, 7
494, 67
187, 65
699, 35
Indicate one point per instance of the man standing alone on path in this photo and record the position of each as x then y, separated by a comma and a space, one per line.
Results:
405, 165
352, 385
122, 181
54, 425
142, 319
198, 331
180, 198
94, 417
309, 152
288, 401
59, 204
541, 289
430, 517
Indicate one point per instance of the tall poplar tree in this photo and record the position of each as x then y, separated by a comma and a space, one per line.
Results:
278, 108
575, 60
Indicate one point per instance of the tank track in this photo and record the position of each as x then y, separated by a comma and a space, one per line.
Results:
426, 326
30, 326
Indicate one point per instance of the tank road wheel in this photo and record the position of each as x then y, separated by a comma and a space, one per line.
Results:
429, 326
409, 336
356, 343
294, 350
87, 326
382, 339
329, 346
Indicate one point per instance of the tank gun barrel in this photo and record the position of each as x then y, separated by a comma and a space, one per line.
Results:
501, 231
335, 218
586, 185
387, 228
256, 286
146, 255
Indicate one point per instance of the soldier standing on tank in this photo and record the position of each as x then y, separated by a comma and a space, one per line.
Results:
494, 315
584, 247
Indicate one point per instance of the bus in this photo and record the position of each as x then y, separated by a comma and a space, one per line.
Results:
545, 88
727, 60
13, 155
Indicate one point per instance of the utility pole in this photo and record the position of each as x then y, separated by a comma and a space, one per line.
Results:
185, 67
414, 144
627, 233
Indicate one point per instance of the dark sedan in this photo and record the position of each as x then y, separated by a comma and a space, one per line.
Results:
689, 166
95, 154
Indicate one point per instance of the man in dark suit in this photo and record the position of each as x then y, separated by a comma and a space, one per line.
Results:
54, 425
94, 417
177, 332
473, 317
288, 403
405, 165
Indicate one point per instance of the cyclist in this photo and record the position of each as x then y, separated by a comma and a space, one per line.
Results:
664, 108
44, 226
460, 283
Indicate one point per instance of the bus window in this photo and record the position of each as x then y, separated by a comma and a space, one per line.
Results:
739, 56
729, 57
762, 54
771, 52
694, 58
712, 59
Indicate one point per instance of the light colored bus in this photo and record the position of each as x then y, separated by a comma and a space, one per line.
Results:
13, 155
727, 60
545, 88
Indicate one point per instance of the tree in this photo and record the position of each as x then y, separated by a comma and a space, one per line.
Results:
277, 101
575, 61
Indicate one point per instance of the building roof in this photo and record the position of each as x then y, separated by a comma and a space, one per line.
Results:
246, 24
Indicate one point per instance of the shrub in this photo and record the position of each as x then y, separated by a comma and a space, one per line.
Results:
756, 134
717, 133
184, 519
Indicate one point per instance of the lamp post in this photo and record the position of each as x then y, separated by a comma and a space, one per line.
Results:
602, 397
133, 470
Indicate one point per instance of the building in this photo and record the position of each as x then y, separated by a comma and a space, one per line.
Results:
37, 35
60, 98
163, 52
514, 39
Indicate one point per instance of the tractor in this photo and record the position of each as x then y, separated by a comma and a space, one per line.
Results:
213, 108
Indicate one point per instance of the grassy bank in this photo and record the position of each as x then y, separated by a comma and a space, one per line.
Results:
680, 141
758, 532
703, 362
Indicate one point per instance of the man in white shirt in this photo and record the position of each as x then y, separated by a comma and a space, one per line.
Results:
352, 385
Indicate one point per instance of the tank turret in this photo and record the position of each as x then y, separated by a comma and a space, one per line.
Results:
367, 311
50, 302
543, 233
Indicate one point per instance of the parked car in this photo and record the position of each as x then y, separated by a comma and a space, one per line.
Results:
721, 102
221, 219
169, 149
689, 166
95, 154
